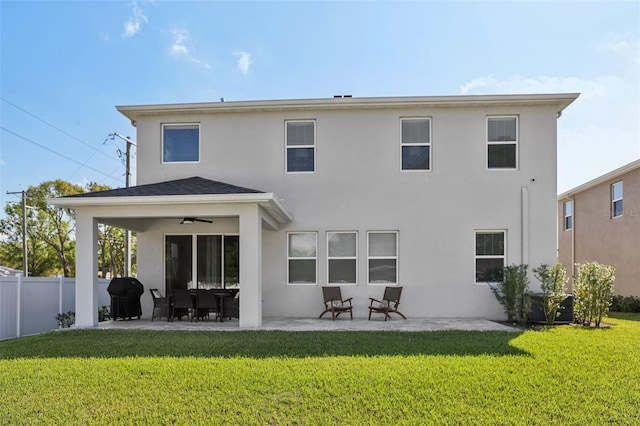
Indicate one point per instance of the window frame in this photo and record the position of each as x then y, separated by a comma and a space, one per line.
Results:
195, 284
396, 258
288, 147
614, 200
568, 217
427, 144
294, 258
330, 258
515, 142
162, 137
493, 256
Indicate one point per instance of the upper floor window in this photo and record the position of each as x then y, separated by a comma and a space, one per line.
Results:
617, 208
490, 255
342, 257
383, 257
568, 215
180, 143
301, 146
502, 142
416, 143
302, 257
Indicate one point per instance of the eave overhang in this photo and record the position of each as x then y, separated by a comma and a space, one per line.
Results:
559, 100
268, 201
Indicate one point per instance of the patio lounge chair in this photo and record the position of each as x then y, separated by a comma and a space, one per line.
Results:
388, 304
160, 304
333, 302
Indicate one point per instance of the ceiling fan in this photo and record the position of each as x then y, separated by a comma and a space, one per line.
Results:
192, 220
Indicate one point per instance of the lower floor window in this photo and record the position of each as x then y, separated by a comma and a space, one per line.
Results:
489, 255
213, 259
302, 257
342, 257
382, 253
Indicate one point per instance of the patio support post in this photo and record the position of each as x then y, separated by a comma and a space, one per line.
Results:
250, 266
86, 269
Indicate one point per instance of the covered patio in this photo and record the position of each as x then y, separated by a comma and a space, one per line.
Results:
159, 209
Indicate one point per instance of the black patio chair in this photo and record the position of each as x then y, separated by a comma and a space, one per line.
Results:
160, 304
182, 304
206, 302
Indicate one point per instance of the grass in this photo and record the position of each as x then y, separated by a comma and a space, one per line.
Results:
563, 375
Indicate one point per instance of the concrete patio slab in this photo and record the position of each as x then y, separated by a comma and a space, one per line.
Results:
314, 324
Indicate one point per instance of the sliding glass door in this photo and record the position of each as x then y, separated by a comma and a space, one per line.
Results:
213, 259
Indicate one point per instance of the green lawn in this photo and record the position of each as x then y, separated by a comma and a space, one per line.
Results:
561, 376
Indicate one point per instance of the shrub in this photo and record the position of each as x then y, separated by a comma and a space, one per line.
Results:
592, 290
553, 281
513, 293
66, 320
625, 304
104, 313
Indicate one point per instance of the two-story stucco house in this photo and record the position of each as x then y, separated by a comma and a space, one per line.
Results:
435, 194
600, 221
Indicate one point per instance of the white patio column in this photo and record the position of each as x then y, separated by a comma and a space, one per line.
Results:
86, 269
250, 266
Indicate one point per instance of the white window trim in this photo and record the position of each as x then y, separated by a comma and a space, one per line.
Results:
516, 143
396, 257
302, 258
402, 144
355, 257
287, 148
493, 256
564, 207
614, 200
162, 144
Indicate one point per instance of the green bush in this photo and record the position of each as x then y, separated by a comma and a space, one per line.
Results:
625, 304
553, 281
593, 292
513, 293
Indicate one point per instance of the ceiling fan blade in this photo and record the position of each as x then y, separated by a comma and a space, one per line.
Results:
203, 220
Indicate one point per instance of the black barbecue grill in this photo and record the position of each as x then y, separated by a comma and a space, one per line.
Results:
125, 295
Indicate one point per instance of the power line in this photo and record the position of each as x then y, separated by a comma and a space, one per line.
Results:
58, 129
54, 152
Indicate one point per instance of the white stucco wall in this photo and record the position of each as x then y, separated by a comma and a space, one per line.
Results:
358, 186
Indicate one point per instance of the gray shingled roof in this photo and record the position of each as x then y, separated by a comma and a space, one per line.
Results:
189, 186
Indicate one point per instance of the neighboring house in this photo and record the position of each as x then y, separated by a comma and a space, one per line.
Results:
600, 221
5, 271
435, 194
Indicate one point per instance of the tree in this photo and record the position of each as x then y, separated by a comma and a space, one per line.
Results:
51, 234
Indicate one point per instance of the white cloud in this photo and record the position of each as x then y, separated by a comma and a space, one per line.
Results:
133, 23
244, 61
601, 130
181, 47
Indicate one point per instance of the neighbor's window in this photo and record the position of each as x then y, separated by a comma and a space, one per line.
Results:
302, 256
342, 258
416, 143
617, 208
301, 146
382, 253
490, 255
568, 215
180, 143
502, 142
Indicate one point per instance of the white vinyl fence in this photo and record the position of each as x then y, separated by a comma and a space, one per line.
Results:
30, 305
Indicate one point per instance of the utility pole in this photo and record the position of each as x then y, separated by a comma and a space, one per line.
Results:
127, 179
25, 267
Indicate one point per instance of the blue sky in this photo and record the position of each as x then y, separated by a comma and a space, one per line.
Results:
66, 65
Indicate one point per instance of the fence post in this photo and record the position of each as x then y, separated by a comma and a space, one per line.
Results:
18, 304
60, 293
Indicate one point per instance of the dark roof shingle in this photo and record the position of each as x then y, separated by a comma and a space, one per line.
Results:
189, 186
